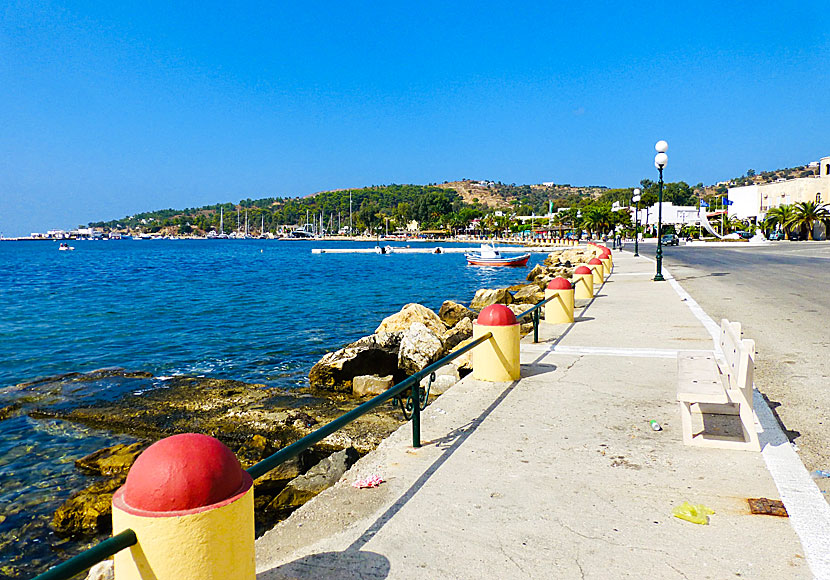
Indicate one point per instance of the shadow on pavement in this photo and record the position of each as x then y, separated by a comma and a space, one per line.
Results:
347, 564
792, 435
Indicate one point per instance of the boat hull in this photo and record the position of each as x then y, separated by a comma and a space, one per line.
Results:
478, 261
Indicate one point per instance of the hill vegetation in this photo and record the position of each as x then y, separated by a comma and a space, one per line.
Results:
446, 206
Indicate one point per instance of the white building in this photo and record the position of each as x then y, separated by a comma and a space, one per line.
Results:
671, 214
754, 201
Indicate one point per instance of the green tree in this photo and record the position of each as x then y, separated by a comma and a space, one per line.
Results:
806, 214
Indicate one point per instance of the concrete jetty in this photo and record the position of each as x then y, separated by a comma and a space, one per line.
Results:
444, 250
559, 475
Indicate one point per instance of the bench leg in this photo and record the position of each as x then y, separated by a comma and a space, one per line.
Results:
686, 422
748, 424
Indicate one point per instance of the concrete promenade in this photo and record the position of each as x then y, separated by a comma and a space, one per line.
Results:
559, 475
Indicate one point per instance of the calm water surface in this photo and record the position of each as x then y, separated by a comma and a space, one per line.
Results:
261, 311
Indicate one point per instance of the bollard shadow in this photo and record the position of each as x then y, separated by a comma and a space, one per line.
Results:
346, 564
535, 369
583, 318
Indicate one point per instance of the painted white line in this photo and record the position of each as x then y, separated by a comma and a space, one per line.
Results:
809, 512
604, 351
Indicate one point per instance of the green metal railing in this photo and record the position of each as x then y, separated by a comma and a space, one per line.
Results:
534, 314
416, 401
90, 557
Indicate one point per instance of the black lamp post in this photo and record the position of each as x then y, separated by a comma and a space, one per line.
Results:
660, 161
636, 200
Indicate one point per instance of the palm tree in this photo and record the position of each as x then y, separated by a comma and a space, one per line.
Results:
781, 216
806, 214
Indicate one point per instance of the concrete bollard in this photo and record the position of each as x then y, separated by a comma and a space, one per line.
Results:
497, 359
561, 309
596, 267
583, 283
606, 265
191, 506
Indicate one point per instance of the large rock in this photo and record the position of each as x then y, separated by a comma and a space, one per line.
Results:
458, 333
445, 377
336, 370
420, 346
371, 385
111, 460
386, 340
102, 571
527, 321
320, 477
486, 297
402, 321
89, 511
451, 312
529, 294
537, 271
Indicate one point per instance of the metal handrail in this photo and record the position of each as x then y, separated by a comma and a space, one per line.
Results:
286, 453
535, 311
90, 557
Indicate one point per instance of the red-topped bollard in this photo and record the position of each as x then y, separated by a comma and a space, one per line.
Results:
191, 506
605, 258
583, 283
596, 267
561, 308
497, 359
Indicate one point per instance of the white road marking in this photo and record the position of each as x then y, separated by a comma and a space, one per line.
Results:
604, 351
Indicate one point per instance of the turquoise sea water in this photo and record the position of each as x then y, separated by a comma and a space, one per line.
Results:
261, 311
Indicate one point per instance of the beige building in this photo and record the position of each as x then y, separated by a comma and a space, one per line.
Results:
754, 201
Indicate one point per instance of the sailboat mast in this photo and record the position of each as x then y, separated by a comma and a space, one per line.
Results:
221, 220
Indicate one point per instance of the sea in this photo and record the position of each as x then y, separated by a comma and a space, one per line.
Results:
260, 311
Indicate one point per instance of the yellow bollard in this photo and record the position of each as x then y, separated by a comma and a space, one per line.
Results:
561, 309
191, 506
497, 359
583, 283
606, 265
596, 267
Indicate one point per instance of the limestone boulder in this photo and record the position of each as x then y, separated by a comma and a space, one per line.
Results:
465, 361
371, 385
402, 321
537, 271
336, 370
386, 340
102, 571
88, 511
529, 294
451, 312
420, 346
111, 460
527, 321
458, 333
485, 297
320, 477
445, 377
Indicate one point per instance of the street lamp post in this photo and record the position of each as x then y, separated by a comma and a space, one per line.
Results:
660, 161
636, 200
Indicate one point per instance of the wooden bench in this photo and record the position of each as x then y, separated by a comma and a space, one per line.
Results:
706, 385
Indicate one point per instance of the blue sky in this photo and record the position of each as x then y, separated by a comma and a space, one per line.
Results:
107, 109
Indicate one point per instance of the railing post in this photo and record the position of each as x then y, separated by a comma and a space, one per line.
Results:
416, 414
536, 325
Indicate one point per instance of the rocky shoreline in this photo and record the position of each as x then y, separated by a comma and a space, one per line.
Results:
255, 420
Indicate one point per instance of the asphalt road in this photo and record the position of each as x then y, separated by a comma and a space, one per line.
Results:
781, 295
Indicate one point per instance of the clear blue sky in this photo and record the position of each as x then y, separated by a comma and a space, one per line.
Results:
111, 108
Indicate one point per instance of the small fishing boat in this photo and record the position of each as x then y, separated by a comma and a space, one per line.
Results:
65, 248
489, 256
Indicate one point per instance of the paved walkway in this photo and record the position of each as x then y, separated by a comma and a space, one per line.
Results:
558, 475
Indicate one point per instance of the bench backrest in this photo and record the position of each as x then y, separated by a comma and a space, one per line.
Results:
739, 355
